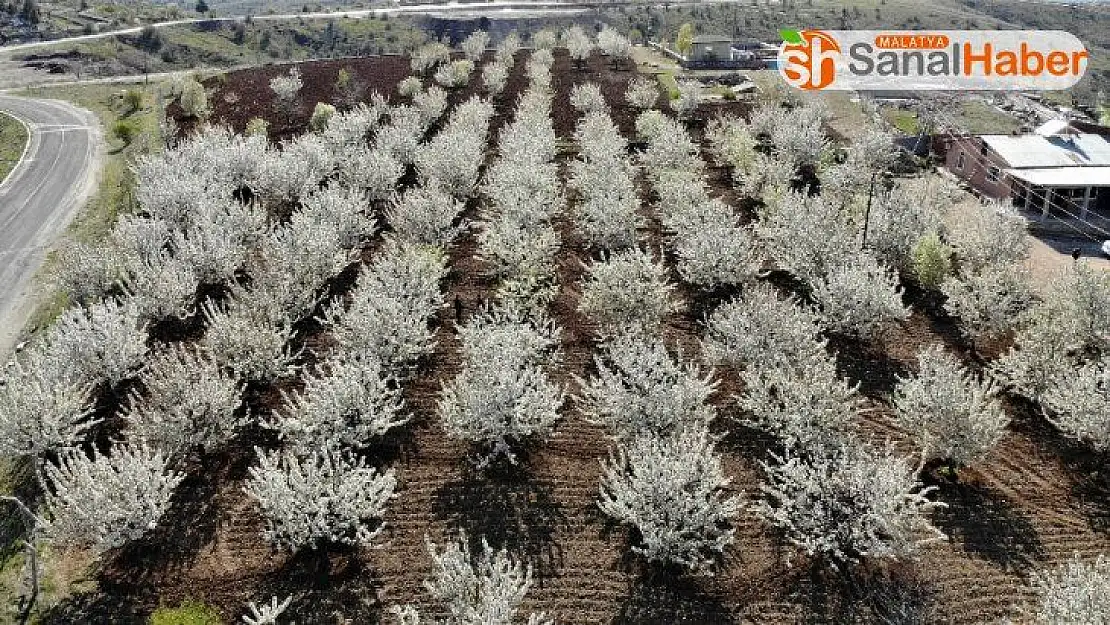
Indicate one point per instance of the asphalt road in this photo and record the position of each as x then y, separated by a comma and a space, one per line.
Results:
39, 198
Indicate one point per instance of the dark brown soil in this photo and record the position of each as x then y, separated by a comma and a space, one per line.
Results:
1031, 503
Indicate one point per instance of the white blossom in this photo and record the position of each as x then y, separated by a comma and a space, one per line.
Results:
141, 239
762, 329
732, 144
486, 589
642, 93
219, 240
1068, 326
803, 403
951, 414
188, 402
689, 94
1073, 593
321, 116
849, 503
627, 291
808, 236
325, 497
670, 148
350, 404
872, 150
287, 88
578, 44
425, 216
640, 388
475, 45
898, 220
672, 490
104, 342
798, 136
507, 49
87, 273
351, 129
296, 170
373, 171
347, 210
250, 342
1078, 403
513, 250
428, 56
41, 409
990, 303
613, 44
267, 613
455, 74
105, 501
990, 234
587, 97
718, 255
161, 287
494, 77
502, 395
860, 297
603, 178
387, 319
409, 86
431, 105
544, 40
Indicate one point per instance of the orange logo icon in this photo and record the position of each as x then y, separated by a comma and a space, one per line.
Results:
808, 59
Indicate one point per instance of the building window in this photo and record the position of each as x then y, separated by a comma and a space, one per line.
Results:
992, 174
960, 161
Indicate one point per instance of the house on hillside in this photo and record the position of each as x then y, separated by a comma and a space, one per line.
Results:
1056, 171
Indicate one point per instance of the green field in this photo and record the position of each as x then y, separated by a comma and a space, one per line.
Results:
13, 138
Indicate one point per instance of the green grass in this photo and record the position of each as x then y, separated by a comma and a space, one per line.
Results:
981, 118
13, 138
905, 121
667, 81
188, 613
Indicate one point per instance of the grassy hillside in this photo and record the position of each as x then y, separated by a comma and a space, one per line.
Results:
220, 44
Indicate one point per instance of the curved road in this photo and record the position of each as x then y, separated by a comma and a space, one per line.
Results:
39, 198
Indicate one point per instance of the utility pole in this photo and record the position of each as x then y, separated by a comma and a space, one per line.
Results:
867, 213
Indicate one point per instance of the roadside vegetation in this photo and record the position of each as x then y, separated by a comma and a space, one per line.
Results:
13, 139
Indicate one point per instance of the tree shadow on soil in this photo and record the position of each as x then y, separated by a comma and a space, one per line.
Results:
326, 584
665, 598
865, 364
988, 525
511, 509
93, 607
861, 595
1087, 467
